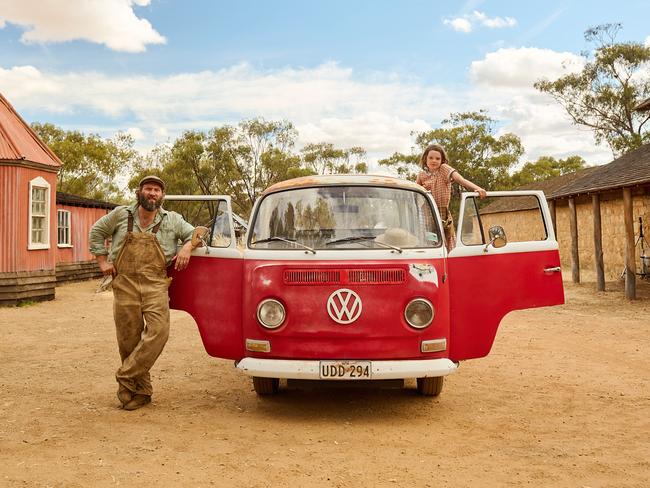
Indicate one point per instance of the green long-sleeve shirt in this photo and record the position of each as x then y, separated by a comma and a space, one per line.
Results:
114, 226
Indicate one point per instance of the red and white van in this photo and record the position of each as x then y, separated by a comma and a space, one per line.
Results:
347, 277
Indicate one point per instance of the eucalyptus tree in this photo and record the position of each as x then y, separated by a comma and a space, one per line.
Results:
323, 158
91, 163
602, 96
546, 167
240, 161
472, 147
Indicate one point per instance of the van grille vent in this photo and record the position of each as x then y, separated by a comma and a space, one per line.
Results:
391, 276
312, 277
376, 276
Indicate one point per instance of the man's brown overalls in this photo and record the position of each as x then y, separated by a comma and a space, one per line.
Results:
140, 307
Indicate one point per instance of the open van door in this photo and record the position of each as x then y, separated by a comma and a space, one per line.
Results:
210, 288
506, 258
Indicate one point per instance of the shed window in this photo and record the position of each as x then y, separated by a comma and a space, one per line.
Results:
64, 228
39, 210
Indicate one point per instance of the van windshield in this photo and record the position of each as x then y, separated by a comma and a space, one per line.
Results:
345, 217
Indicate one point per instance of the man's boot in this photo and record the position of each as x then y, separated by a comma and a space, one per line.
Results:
124, 395
138, 401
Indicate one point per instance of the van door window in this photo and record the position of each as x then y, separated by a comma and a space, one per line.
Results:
221, 234
520, 216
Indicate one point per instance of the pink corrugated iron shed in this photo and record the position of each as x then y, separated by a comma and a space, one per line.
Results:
23, 157
18, 142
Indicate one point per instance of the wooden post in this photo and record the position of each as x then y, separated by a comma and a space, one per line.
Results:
598, 243
575, 257
551, 208
630, 252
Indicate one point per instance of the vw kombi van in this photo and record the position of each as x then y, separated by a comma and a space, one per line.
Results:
347, 278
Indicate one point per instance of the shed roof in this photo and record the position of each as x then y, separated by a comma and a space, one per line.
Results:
77, 201
19, 143
550, 187
553, 186
631, 169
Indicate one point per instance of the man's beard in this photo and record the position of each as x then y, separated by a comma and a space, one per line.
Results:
147, 204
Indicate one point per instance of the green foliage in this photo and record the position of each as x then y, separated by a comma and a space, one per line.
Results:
546, 167
323, 158
90, 163
406, 165
472, 148
238, 161
603, 95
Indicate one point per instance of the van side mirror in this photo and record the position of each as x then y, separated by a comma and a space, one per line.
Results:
497, 238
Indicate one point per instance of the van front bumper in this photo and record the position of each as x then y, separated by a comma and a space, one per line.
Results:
381, 370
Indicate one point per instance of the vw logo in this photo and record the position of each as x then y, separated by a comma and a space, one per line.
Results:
344, 306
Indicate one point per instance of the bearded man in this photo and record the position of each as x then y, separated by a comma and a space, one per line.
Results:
144, 239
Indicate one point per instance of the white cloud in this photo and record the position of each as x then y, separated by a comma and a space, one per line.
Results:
510, 67
503, 82
136, 133
493, 22
327, 103
459, 24
647, 41
109, 22
160, 134
466, 23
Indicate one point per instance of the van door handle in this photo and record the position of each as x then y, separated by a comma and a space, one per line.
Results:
555, 269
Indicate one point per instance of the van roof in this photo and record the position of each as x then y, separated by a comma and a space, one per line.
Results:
337, 180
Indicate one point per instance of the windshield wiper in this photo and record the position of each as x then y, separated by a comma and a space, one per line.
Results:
290, 241
363, 238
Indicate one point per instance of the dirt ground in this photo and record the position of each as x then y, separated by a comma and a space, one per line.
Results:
562, 400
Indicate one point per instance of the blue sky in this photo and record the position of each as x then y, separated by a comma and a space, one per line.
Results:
348, 72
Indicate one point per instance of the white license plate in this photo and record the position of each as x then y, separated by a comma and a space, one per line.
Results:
345, 370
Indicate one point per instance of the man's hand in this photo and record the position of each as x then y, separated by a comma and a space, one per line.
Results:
105, 266
182, 259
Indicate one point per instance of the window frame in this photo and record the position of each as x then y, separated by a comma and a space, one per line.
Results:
67, 229
425, 197
39, 183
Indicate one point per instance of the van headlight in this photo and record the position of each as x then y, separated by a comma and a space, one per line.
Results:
419, 313
270, 313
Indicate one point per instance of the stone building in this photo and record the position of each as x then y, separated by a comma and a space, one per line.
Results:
603, 190
599, 215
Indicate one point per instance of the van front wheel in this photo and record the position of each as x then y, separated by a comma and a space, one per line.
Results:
430, 386
265, 386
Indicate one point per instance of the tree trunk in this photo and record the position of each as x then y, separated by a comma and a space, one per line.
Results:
630, 254
575, 256
598, 243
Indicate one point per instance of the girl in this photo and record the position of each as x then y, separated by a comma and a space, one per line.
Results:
436, 177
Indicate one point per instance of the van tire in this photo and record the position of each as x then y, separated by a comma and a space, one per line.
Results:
265, 386
431, 386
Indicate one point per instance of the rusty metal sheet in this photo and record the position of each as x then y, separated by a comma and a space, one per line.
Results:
325, 180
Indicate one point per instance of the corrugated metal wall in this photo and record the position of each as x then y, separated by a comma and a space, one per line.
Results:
8, 217
81, 220
14, 221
